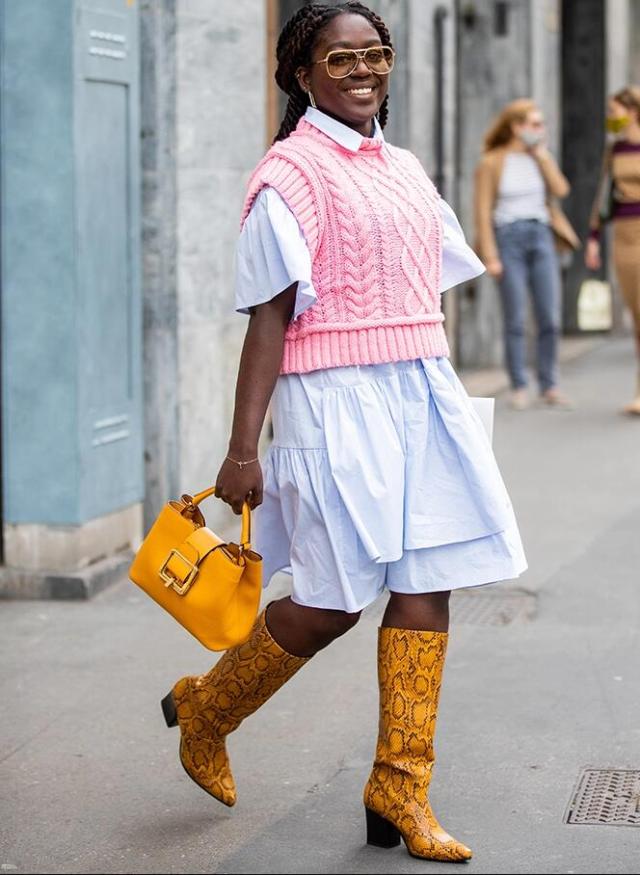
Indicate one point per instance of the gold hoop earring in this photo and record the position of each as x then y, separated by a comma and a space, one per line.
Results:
312, 99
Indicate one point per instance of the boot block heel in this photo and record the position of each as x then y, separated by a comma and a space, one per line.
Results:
169, 710
380, 832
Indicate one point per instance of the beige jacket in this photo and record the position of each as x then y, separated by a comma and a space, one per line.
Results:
487, 180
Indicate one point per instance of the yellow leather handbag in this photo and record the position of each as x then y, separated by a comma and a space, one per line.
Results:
211, 587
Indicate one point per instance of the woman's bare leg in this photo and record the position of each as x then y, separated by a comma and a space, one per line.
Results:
303, 631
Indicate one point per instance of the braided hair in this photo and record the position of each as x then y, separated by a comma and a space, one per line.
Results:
295, 44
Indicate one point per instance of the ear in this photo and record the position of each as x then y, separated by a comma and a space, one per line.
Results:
304, 79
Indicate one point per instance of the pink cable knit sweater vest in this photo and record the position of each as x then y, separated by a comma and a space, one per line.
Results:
372, 224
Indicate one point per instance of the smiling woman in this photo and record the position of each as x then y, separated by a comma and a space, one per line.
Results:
351, 80
380, 477
351, 92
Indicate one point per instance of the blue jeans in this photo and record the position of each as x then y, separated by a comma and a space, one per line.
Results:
529, 261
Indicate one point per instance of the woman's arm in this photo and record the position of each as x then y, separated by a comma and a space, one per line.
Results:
259, 368
595, 220
555, 180
484, 198
592, 257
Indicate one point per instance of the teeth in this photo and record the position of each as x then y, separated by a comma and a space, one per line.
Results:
360, 90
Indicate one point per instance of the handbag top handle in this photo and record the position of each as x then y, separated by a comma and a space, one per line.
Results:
245, 533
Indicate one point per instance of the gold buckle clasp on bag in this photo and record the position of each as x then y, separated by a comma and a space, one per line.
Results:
180, 586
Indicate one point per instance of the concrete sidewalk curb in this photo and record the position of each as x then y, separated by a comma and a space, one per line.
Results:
16, 583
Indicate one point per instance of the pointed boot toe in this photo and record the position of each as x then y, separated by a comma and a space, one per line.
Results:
210, 706
209, 767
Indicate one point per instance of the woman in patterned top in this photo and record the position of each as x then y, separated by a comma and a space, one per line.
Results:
621, 172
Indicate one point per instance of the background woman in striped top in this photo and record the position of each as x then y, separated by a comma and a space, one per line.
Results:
517, 182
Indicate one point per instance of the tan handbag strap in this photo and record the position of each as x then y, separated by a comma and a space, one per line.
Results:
245, 534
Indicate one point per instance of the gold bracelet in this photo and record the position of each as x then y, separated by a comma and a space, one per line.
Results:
241, 465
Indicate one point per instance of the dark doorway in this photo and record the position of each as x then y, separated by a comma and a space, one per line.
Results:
583, 108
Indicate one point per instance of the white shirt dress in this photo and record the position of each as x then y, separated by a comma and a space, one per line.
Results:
379, 476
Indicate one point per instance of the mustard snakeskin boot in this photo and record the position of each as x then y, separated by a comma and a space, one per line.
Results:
207, 708
396, 796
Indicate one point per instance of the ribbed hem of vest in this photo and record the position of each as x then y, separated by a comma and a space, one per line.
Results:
363, 346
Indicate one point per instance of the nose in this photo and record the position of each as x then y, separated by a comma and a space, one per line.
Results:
361, 68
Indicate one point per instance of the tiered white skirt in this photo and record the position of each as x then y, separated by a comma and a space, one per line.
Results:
382, 476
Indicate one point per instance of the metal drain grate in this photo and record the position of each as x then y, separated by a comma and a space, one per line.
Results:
488, 609
609, 796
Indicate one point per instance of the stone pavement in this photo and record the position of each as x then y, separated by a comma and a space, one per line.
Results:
89, 774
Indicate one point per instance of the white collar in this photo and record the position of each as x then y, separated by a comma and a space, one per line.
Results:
341, 133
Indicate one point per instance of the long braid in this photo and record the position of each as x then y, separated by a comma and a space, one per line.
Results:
383, 112
295, 45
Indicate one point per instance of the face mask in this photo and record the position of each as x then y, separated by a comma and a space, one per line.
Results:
615, 124
531, 138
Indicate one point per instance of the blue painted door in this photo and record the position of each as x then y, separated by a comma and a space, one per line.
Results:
107, 199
